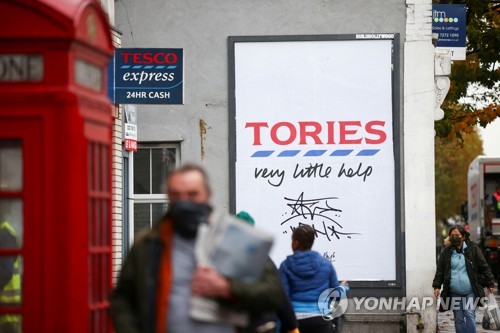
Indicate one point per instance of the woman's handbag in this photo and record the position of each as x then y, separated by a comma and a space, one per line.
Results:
491, 318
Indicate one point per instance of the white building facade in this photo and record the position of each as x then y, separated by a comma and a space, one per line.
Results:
199, 129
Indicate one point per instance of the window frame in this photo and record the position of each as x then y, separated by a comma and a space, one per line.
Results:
146, 198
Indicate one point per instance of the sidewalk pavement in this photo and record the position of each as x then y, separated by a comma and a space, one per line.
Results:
446, 324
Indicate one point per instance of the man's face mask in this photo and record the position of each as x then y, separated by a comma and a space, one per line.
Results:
455, 240
187, 216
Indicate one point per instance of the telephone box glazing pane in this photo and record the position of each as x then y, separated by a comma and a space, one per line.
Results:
11, 165
11, 223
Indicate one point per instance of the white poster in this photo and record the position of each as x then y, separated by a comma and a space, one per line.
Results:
130, 127
314, 145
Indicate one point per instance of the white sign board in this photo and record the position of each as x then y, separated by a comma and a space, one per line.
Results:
130, 127
314, 145
88, 75
21, 67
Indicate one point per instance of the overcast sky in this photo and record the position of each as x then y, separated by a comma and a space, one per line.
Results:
491, 138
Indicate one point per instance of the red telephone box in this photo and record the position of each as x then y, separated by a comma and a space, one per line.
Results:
55, 166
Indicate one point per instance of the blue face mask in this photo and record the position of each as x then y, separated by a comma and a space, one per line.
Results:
187, 217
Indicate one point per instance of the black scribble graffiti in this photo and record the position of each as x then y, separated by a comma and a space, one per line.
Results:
321, 213
326, 231
310, 208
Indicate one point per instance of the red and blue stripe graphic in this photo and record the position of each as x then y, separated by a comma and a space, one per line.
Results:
315, 153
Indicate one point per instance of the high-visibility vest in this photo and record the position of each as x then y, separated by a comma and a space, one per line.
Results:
11, 293
497, 196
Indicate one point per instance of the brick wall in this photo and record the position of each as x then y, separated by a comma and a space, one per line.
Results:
117, 231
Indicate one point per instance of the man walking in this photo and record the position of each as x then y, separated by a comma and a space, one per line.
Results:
160, 273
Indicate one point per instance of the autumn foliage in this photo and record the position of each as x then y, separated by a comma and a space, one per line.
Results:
452, 160
474, 94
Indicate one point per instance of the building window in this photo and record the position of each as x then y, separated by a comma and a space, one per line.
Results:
151, 165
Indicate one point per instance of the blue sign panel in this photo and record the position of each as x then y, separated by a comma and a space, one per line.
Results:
449, 22
149, 76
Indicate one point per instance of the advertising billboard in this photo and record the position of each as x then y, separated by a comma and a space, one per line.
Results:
314, 120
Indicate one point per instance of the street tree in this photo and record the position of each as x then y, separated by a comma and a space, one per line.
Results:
452, 160
474, 94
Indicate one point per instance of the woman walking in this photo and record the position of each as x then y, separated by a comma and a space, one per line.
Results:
305, 275
463, 273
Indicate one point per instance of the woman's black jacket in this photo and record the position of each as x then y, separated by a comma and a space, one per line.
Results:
479, 272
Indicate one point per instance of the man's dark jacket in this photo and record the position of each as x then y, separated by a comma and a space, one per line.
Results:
133, 303
479, 272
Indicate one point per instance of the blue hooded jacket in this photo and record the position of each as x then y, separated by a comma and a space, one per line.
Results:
305, 275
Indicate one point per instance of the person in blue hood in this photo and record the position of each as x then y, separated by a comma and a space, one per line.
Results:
305, 275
